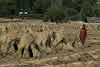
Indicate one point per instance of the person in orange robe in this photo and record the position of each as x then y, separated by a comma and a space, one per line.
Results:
83, 34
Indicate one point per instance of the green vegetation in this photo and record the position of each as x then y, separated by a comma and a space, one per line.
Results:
7, 7
97, 11
52, 10
55, 13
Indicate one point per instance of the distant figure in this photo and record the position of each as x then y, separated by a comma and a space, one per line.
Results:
83, 34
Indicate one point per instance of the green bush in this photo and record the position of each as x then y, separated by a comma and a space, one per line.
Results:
70, 12
45, 19
66, 19
55, 14
7, 8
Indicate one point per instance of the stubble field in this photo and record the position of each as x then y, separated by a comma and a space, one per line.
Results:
35, 44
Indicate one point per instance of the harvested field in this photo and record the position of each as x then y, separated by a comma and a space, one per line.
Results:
48, 45
9, 20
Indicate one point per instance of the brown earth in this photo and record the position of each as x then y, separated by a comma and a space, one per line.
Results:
10, 20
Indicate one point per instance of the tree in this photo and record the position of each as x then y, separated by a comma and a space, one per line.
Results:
70, 13
67, 3
7, 7
3, 7
55, 14
97, 11
40, 6
87, 9
77, 4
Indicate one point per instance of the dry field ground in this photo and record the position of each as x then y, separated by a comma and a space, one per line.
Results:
35, 44
9, 20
